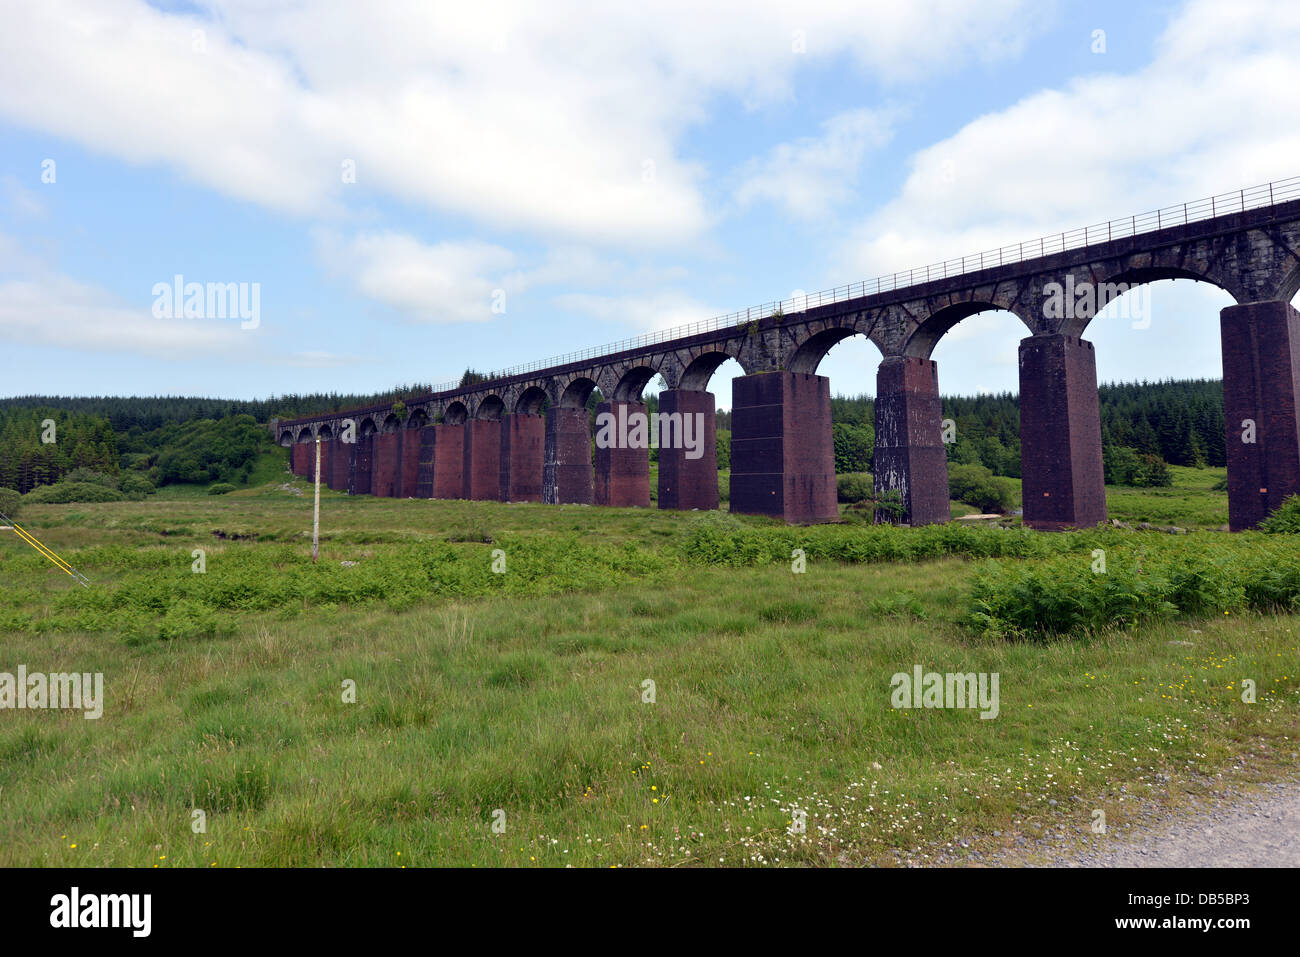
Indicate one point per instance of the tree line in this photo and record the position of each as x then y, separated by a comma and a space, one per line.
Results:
1145, 426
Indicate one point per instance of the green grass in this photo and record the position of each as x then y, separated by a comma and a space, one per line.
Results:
523, 692
1191, 502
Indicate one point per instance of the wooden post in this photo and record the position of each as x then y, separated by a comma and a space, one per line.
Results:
315, 516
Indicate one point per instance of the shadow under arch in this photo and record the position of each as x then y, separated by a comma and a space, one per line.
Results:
576, 393
305, 435
634, 381
531, 401
491, 408
455, 414
325, 433
286, 439
417, 419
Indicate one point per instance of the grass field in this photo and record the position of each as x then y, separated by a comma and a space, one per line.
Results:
524, 692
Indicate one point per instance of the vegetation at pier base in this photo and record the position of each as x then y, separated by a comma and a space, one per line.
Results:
1284, 521
523, 690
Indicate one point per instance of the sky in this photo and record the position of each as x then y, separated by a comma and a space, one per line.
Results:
402, 190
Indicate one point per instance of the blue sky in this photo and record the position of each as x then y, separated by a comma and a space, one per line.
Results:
599, 174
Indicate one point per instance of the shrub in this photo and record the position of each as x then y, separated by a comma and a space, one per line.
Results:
90, 477
136, 486
9, 501
1125, 466
220, 488
855, 487
976, 485
1066, 596
1284, 521
64, 492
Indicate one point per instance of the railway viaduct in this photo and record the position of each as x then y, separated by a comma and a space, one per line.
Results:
524, 435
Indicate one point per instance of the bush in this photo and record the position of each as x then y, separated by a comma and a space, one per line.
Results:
1284, 521
855, 487
10, 501
1125, 466
64, 492
976, 485
90, 477
1066, 596
220, 488
136, 486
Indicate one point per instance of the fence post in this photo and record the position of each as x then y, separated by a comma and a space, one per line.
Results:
315, 515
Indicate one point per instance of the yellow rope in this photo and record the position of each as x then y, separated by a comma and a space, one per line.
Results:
31, 540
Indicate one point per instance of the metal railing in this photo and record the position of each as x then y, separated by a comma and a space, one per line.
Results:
1255, 197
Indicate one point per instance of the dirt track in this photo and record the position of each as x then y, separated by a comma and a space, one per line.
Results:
1258, 830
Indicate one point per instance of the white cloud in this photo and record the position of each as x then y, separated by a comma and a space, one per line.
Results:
55, 310
809, 175
515, 114
641, 313
443, 282
1205, 116
41, 306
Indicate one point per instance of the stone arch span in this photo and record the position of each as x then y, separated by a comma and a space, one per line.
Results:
1080, 307
531, 400
923, 339
491, 408
577, 392
698, 372
632, 383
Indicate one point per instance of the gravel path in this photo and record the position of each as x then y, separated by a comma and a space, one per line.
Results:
1227, 828
1258, 829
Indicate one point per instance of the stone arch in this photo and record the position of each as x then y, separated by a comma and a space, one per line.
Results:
286, 438
418, 419
325, 433
455, 413
698, 372
490, 407
531, 400
809, 353
305, 434
632, 382
1074, 322
576, 392
367, 425
934, 327
391, 424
